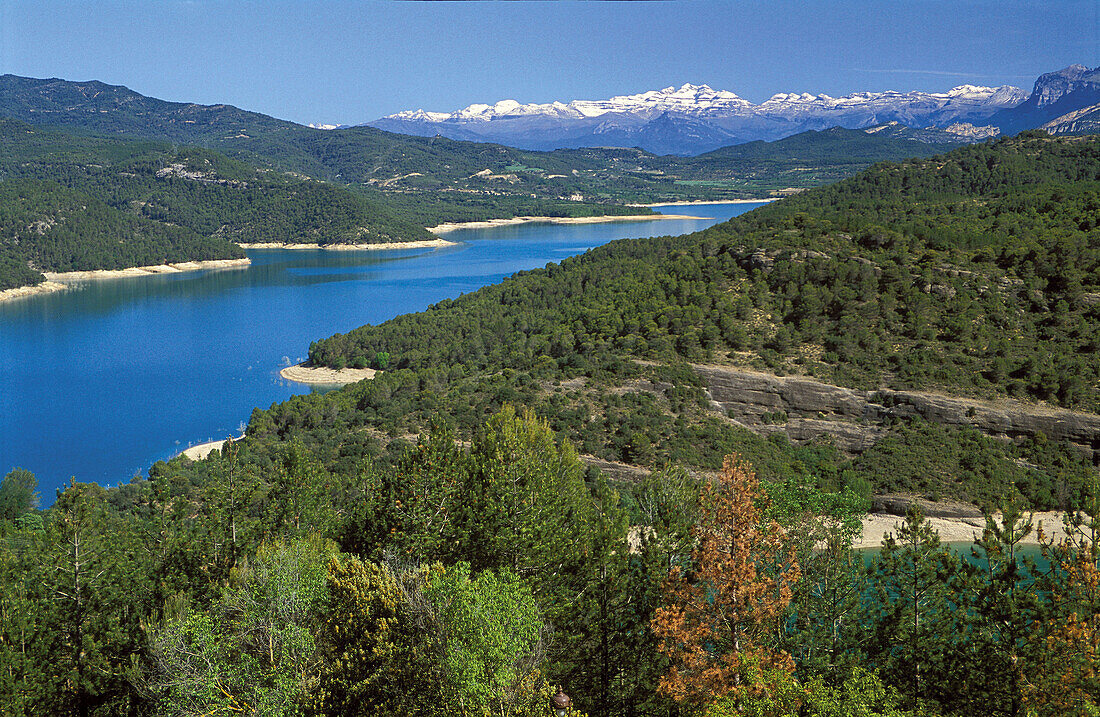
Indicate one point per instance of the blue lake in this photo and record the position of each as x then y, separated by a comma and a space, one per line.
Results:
101, 381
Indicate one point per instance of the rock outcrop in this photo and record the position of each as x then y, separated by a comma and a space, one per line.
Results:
805, 409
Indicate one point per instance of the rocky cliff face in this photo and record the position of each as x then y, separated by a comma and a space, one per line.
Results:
1083, 121
1053, 86
1055, 95
855, 419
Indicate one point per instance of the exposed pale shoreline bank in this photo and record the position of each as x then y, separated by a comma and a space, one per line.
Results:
19, 292
325, 376
955, 530
57, 281
176, 268
704, 201
424, 244
490, 223
202, 450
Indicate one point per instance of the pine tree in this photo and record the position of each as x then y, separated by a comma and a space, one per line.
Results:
908, 610
1064, 678
719, 618
1005, 606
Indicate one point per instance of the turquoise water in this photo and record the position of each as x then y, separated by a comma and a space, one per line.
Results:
101, 381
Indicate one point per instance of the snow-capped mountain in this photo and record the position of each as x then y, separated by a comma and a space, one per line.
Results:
696, 118
690, 100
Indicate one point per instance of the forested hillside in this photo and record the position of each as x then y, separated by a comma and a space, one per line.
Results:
48, 227
121, 149
76, 203
974, 272
444, 539
436, 179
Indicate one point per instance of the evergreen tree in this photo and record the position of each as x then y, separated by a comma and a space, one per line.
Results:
910, 611
718, 621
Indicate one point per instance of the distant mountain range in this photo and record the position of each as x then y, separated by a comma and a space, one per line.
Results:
693, 119
696, 118
388, 166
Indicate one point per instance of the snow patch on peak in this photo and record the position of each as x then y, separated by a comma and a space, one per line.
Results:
696, 117
420, 115
794, 97
971, 91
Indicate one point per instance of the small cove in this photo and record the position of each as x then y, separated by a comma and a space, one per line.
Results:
100, 381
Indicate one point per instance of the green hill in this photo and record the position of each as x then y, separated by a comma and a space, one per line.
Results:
973, 274
176, 203
434, 179
951, 271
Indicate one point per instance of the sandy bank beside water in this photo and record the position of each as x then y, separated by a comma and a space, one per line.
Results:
425, 244
489, 224
202, 450
955, 530
20, 291
56, 281
706, 201
147, 270
325, 376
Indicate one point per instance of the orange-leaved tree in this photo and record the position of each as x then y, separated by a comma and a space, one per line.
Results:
1065, 679
719, 614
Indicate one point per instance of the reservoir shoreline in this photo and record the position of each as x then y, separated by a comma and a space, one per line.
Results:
957, 530
424, 244
492, 223
58, 281
155, 269
46, 287
325, 376
105, 378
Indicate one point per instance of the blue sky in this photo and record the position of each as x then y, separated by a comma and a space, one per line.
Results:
352, 62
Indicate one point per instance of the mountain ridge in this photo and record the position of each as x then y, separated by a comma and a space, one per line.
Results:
694, 119
1055, 95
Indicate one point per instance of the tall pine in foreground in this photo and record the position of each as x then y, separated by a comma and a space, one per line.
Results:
911, 610
719, 617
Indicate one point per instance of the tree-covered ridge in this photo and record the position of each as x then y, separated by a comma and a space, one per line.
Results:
47, 227
394, 164
98, 108
77, 203
200, 189
482, 180
972, 272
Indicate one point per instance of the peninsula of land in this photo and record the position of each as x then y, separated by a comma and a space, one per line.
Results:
202, 450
